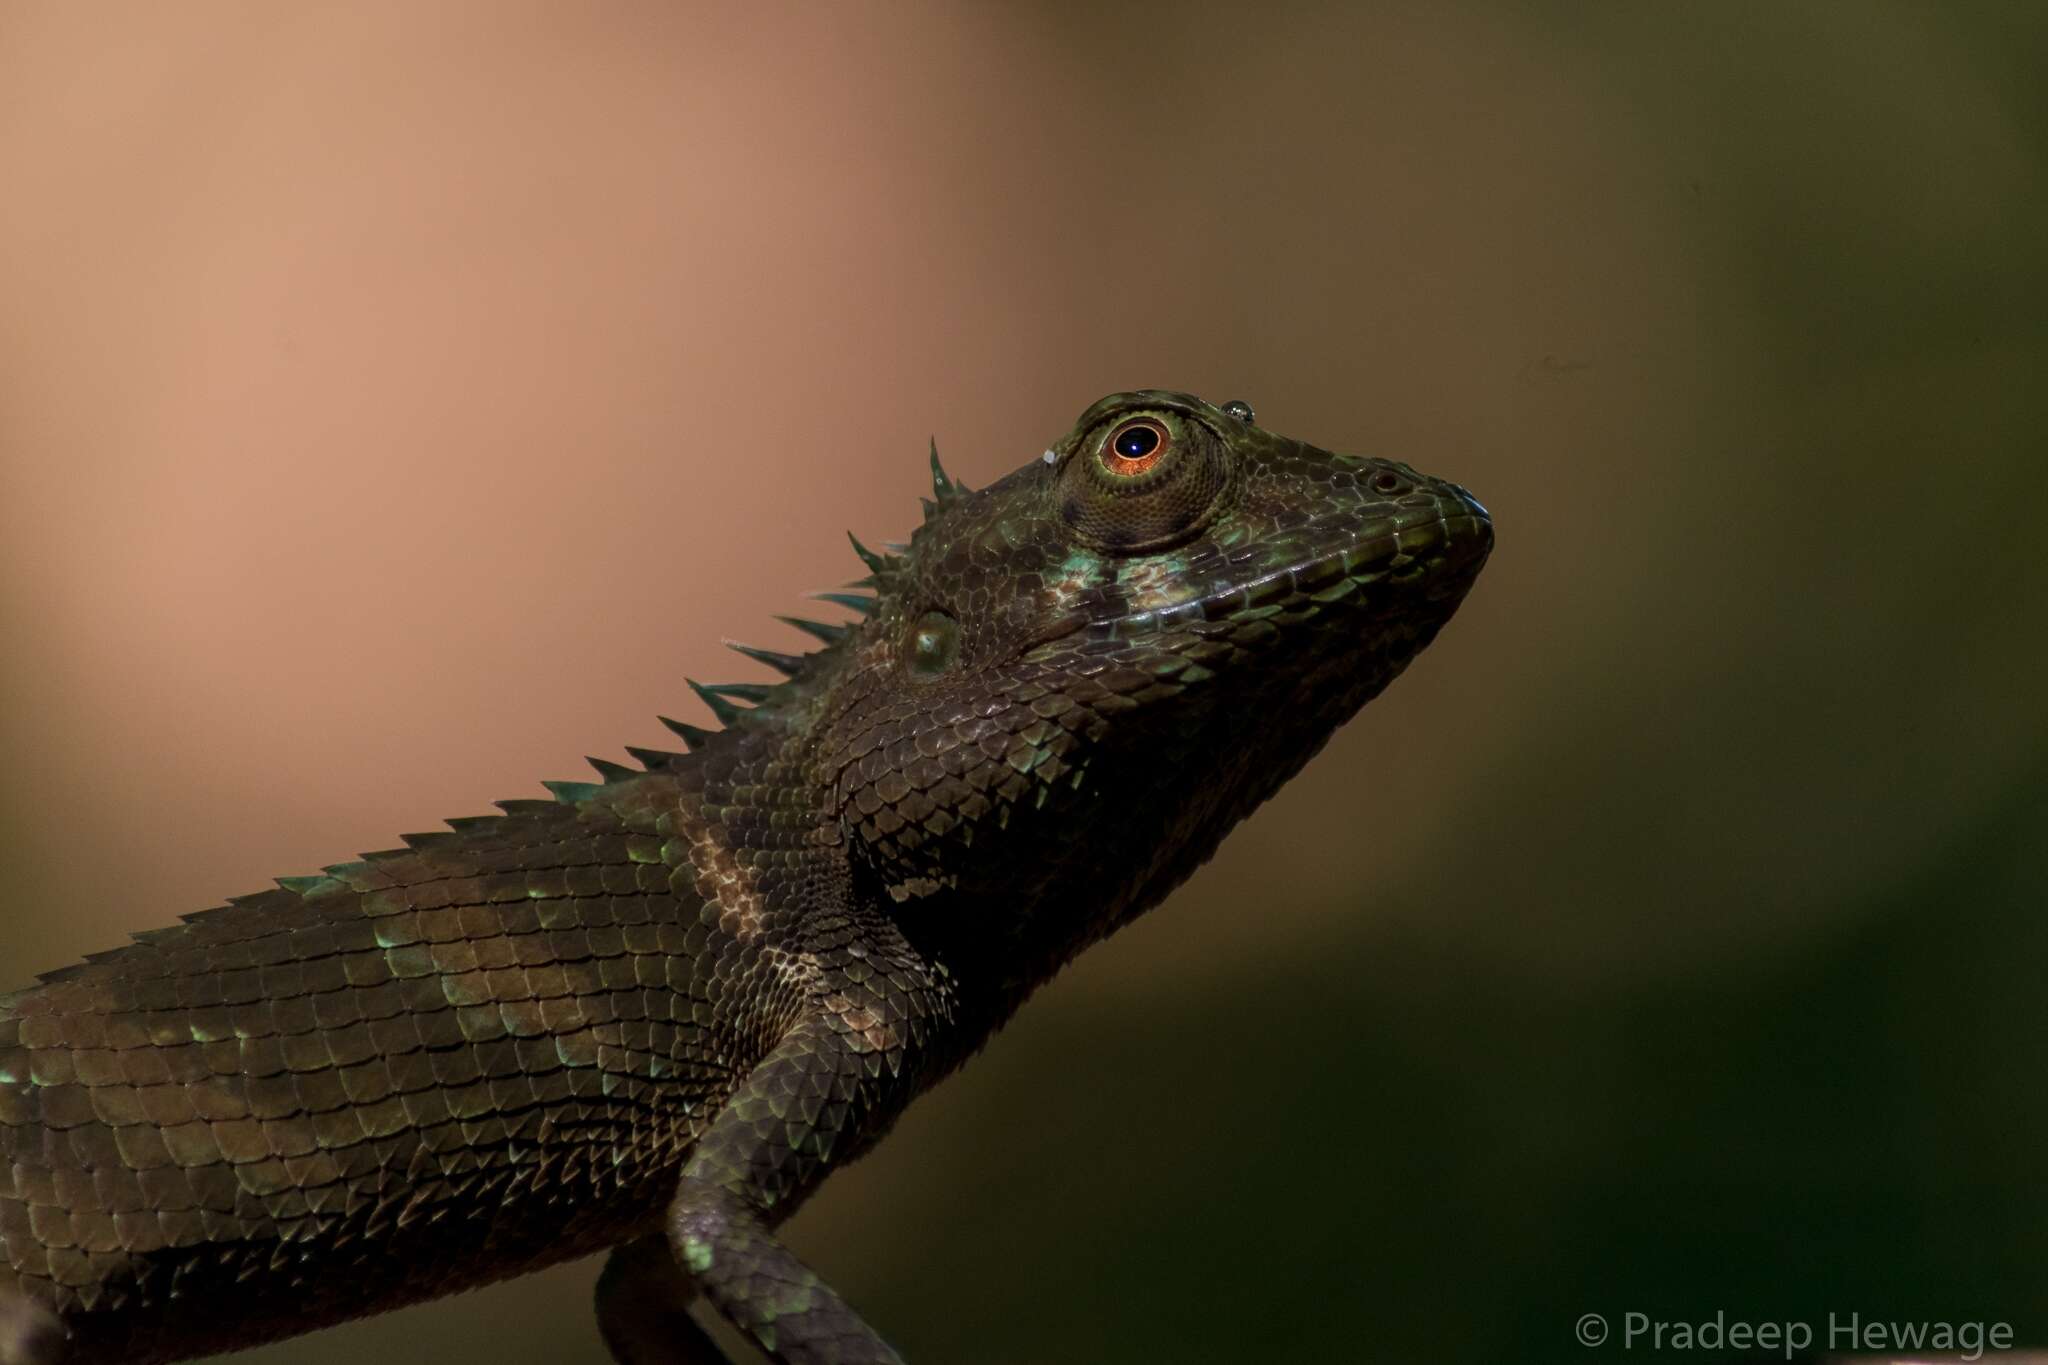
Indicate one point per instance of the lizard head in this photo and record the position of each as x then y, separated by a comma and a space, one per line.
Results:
1070, 684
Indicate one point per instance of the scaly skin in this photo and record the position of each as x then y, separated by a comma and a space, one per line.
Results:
652, 1013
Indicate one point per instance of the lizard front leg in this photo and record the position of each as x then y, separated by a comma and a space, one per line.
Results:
832, 1076
760, 1284
643, 1301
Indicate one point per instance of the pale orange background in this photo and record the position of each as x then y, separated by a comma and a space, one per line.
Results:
397, 401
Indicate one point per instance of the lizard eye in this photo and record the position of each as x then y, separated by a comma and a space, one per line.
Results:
1135, 447
1144, 481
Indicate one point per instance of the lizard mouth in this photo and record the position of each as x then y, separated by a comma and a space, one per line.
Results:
1434, 546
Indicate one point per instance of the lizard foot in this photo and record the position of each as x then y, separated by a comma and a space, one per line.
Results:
30, 1334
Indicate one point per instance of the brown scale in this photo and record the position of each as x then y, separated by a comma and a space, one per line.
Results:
529, 1015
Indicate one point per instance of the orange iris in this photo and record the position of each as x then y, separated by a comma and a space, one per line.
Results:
1135, 447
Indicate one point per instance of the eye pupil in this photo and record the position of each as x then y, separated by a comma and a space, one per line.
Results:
1135, 443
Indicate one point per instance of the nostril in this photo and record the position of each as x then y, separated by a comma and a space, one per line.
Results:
1389, 483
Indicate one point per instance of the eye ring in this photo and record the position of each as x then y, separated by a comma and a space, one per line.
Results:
1134, 447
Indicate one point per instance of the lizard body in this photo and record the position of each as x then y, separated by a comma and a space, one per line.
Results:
651, 1013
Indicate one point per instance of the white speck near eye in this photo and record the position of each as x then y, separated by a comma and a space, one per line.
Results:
1050, 458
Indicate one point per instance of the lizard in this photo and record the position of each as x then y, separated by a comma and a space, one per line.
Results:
649, 1014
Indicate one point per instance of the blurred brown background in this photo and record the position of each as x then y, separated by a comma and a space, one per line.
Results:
398, 400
